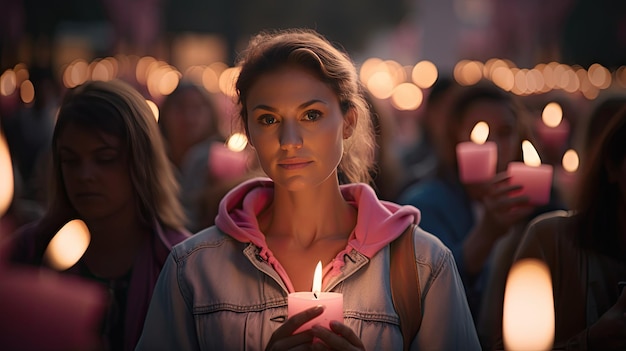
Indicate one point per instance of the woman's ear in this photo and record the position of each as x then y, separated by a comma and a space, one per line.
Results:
349, 123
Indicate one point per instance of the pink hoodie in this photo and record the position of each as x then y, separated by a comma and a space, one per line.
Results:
378, 222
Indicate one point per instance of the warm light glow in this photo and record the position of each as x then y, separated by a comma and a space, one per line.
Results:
227, 81
570, 160
380, 85
6, 176
599, 76
407, 97
528, 312
468, 72
27, 92
503, 77
424, 74
154, 108
531, 157
368, 68
141, 69
8, 82
210, 80
317, 279
237, 142
480, 133
552, 114
68, 245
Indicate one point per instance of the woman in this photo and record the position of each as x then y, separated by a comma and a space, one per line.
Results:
585, 249
189, 123
226, 288
110, 170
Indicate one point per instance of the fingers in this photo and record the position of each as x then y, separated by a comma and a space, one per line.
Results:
299, 319
339, 337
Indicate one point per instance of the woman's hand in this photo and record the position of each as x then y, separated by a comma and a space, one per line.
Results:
339, 337
285, 339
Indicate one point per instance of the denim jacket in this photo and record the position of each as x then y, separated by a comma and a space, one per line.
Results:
217, 293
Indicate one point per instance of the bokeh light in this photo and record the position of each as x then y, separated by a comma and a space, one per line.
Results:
6, 176
68, 245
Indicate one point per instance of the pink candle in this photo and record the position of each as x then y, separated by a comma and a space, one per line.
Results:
535, 178
477, 159
300, 301
225, 163
477, 162
555, 137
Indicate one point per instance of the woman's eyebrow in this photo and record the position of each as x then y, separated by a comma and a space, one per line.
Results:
303, 105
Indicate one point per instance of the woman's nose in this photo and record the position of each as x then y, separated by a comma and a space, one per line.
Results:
290, 135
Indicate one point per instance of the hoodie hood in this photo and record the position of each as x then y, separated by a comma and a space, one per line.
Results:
378, 222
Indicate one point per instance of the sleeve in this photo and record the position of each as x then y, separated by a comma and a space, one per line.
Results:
169, 323
447, 322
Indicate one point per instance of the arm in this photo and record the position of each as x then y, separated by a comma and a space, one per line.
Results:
169, 323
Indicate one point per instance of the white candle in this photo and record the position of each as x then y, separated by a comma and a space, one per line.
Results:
300, 301
528, 312
477, 159
535, 178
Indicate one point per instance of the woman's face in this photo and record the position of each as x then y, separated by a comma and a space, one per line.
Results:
95, 172
297, 128
502, 128
189, 119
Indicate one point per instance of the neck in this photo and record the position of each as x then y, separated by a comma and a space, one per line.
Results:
309, 216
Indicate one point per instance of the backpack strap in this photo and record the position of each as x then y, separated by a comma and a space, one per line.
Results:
405, 288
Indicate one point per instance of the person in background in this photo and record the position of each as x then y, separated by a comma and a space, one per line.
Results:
110, 170
590, 131
226, 288
472, 218
585, 249
421, 161
189, 123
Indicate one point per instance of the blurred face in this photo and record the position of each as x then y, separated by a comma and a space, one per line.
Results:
95, 173
502, 129
189, 119
297, 127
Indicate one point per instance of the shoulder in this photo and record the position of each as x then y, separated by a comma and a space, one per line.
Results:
206, 239
549, 224
429, 249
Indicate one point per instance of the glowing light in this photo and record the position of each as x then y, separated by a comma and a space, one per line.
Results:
368, 68
552, 114
503, 77
380, 85
210, 80
68, 245
8, 82
141, 70
237, 142
407, 97
528, 313
6, 176
531, 157
154, 108
570, 161
227, 81
169, 81
27, 91
468, 72
424, 74
599, 76
480, 133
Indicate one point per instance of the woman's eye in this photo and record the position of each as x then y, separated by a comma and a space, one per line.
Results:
267, 119
312, 115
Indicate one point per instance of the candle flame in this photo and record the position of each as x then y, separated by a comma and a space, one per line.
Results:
528, 313
68, 245
531, 157
480, 133
552, 115
317, 279
570, 161
6, 176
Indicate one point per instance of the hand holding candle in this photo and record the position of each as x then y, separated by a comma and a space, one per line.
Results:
477, 159
535, 178
300, 301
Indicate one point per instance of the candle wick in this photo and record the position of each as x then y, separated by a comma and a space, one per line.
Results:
315, 294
